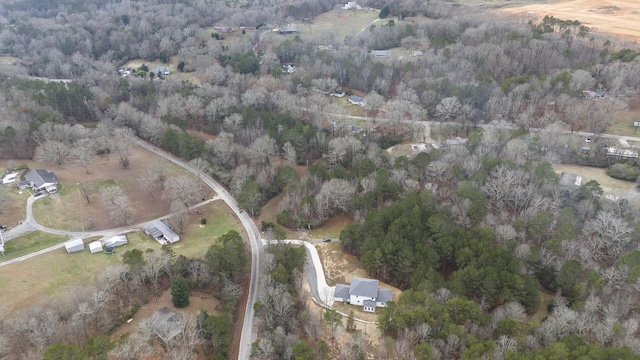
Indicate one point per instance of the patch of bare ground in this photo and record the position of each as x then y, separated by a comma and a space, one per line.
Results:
71, 211
615, 17
341, 267
197, 301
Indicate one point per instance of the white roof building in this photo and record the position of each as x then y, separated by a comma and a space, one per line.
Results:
116, 241
74, 245
95, 247
161, 231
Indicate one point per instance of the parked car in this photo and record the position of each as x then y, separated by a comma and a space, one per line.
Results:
198, 212
327, 240
588, 140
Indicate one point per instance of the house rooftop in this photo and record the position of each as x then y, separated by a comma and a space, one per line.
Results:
384, 295
364, 287
40, 177
166, 324
341, 291
570, 179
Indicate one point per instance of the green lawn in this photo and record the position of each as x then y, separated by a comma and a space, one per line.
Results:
622, 124
29, 243
52, 273
588, 173
8, 60
339, 23
196, 240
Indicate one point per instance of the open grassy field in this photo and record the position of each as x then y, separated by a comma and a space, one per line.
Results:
50, 274
29, 243
8, 60
340, 23
70, 211
12, 205
615, 17
608, 184
622, 124
197, 239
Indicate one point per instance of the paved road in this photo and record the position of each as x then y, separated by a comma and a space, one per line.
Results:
249, 335
321, 292
30, 224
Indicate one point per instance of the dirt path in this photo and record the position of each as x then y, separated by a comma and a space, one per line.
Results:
616, 17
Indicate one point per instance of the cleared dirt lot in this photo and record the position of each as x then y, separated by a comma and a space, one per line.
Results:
616, 17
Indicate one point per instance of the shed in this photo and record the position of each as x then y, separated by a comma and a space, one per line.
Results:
161, 232
116, 241
74, 245
95, 247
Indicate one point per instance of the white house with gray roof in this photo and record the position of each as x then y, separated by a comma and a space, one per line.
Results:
364, 292
40, 179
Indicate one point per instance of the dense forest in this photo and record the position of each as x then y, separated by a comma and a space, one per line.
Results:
480, 236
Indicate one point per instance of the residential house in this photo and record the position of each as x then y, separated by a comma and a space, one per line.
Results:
40, 179
380, 53
162, 70
161, 231
622, 153
418, 148
364, 292
417, 53
166, 324
356, 100
592, 94
570, 180
289, 29
455, 141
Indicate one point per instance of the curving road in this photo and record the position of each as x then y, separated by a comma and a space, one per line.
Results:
249, 334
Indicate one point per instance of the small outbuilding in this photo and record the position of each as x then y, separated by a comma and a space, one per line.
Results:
95, 247
161, 232
116, 241
74, 245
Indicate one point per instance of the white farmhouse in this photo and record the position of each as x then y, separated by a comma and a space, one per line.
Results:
364, 292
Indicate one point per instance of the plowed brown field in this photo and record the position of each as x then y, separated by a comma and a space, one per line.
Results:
615, 17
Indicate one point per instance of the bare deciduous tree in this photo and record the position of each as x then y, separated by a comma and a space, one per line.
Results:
120, 207
262, 148
289, 153
53, 151
155, 263
183, 189
83, 153
152, 179
200, 165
